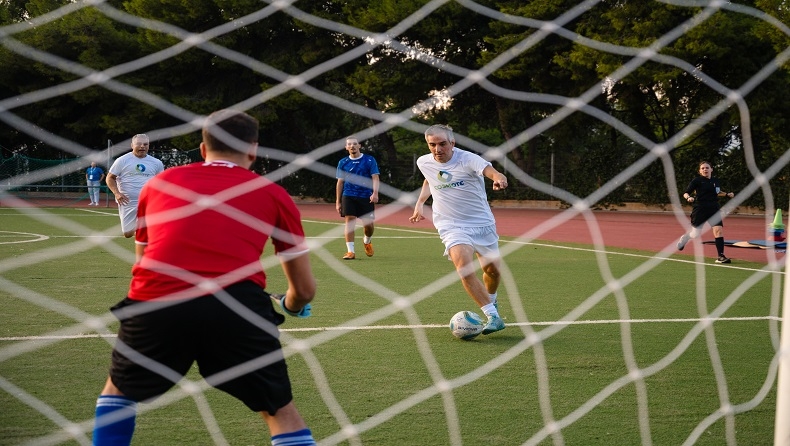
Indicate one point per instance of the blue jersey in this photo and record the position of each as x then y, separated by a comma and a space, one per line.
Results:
94, 173
356, 175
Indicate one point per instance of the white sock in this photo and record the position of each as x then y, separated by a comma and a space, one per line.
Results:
492, 297
366, 239
350, 246
489, 310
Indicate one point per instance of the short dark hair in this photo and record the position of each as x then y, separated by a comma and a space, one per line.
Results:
229, 131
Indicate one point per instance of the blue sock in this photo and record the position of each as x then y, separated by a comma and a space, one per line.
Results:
112, 431
298, 438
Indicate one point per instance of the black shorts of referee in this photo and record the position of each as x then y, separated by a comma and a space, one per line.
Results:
702, 213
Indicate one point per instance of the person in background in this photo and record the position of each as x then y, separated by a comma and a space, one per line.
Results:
127, 176
198, 288
357, 192
93, 178
704, 192
462, 215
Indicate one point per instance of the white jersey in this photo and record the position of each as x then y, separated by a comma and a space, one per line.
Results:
134, 172
458, 190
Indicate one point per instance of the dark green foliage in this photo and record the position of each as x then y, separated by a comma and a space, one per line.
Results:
574, 156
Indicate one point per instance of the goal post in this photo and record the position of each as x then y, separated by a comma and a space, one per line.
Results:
782, 422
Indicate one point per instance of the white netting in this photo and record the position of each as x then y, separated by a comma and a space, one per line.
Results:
553, 421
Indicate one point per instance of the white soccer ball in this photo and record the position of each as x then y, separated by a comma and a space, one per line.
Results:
466, 325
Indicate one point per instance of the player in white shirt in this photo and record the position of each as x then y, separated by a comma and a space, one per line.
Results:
127, 176
462, 215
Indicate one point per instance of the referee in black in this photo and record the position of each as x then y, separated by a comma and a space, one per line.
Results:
704, 192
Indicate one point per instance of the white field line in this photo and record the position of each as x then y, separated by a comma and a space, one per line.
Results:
443, 326
428, 234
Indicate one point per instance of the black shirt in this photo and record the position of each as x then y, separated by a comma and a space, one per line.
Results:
707, 190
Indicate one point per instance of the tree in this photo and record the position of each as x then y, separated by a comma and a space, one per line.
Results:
248, 62
85, 37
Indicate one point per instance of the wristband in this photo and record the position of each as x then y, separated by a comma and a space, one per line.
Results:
304, 312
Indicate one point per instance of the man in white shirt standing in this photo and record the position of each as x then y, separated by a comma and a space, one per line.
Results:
462, 215
127, 176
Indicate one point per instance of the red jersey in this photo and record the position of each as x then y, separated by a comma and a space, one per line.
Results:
209, 220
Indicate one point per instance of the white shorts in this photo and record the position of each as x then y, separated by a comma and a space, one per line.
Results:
485, 240
128, 214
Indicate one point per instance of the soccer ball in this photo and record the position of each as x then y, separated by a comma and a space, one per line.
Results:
466, 325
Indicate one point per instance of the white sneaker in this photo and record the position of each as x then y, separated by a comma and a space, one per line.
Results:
682, 242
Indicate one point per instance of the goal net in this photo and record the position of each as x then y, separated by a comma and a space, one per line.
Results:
694, 352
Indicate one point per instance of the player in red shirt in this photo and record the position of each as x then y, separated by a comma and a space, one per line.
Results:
197, 289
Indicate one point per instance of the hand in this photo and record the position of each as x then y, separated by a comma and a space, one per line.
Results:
690, 199
121, 199
417, 216
499, 185
731, 194
280, 300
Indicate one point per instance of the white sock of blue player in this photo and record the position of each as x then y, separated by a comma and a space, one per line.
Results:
298, 438
115, 420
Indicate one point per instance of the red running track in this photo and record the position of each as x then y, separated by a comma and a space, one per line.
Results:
649, 231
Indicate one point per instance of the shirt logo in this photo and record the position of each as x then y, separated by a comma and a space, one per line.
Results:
447, 179
140, 168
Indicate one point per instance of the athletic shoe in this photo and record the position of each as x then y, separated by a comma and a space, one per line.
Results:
495, 323
368, 249
682, 242
723, 259
349, 256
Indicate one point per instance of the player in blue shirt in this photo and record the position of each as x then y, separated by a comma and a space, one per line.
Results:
93, 177
357, 192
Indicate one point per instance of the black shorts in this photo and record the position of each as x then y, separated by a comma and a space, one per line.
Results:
356, 207
701, 214
156, 349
